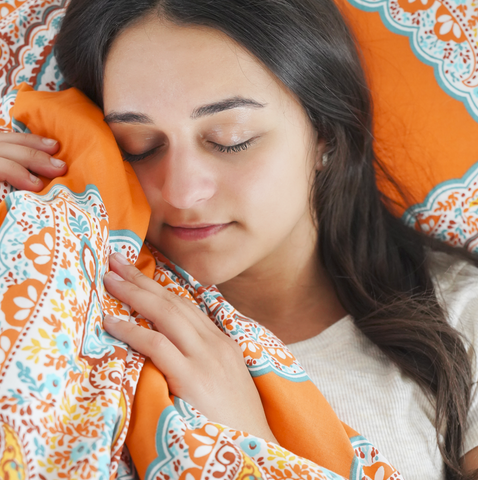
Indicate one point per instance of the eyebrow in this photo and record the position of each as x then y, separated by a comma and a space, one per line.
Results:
228, 104
128, 117
204, 111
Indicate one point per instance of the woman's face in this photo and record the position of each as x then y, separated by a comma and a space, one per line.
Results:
225, 154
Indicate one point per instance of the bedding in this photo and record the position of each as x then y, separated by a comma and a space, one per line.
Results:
67, 387
421, 59
71, 396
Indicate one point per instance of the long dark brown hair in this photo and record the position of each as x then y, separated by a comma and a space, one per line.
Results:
378, 265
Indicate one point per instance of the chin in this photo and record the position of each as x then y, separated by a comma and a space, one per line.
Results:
207, 271
206, 275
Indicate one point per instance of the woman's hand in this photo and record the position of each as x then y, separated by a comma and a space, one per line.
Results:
22, 154
202, 365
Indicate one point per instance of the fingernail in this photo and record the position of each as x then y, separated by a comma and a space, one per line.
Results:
120, 258
49, 142
34, 179
110, 319
114, 276
57, 163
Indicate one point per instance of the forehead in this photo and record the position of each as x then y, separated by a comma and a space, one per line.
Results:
159, 64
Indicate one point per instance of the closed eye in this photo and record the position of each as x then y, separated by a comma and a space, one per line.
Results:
128, 157
232, 148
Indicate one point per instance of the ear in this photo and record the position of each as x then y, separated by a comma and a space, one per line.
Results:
321, 154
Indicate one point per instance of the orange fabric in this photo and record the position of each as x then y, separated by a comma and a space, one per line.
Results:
423, 135
313, 440
86, 160
290, 412
78, 384
145, 418
309, 407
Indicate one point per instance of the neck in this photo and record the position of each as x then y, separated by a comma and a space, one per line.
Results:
289, 292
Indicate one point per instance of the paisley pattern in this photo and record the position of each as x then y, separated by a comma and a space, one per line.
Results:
67, 387
28, 29
373, 464
189, 446
187, 452
450, 212
13, 463
263, 351
442, 33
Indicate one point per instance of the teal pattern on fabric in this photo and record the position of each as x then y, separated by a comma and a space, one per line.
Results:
443, 35
450, 211
67, 368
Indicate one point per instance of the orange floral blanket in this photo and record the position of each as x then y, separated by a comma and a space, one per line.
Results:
67, 387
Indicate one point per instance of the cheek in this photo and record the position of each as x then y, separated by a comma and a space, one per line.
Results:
266, 192
276, 191
148, 177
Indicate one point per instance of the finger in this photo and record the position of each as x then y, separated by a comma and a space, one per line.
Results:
18, 176
48, 145
120, 265
154, 345
34, 160
167, 315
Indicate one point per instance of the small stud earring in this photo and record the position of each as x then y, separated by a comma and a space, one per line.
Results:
325, 159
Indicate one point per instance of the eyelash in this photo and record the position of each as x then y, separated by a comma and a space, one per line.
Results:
136, 158
240, 147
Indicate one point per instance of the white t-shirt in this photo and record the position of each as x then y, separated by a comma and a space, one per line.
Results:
369, 393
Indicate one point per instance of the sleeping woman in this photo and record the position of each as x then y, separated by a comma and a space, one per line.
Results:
249, 126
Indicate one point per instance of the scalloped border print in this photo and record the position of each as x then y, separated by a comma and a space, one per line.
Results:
443, 34
450, 212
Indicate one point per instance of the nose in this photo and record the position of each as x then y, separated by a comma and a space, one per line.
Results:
188, 178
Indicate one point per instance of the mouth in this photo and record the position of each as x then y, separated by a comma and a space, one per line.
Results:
197, 232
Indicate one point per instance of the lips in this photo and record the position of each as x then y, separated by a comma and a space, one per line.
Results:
196, 232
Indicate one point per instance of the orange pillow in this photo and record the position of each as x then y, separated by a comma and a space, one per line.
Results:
422, 63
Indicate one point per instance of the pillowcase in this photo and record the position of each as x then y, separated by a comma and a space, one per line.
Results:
421, 58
